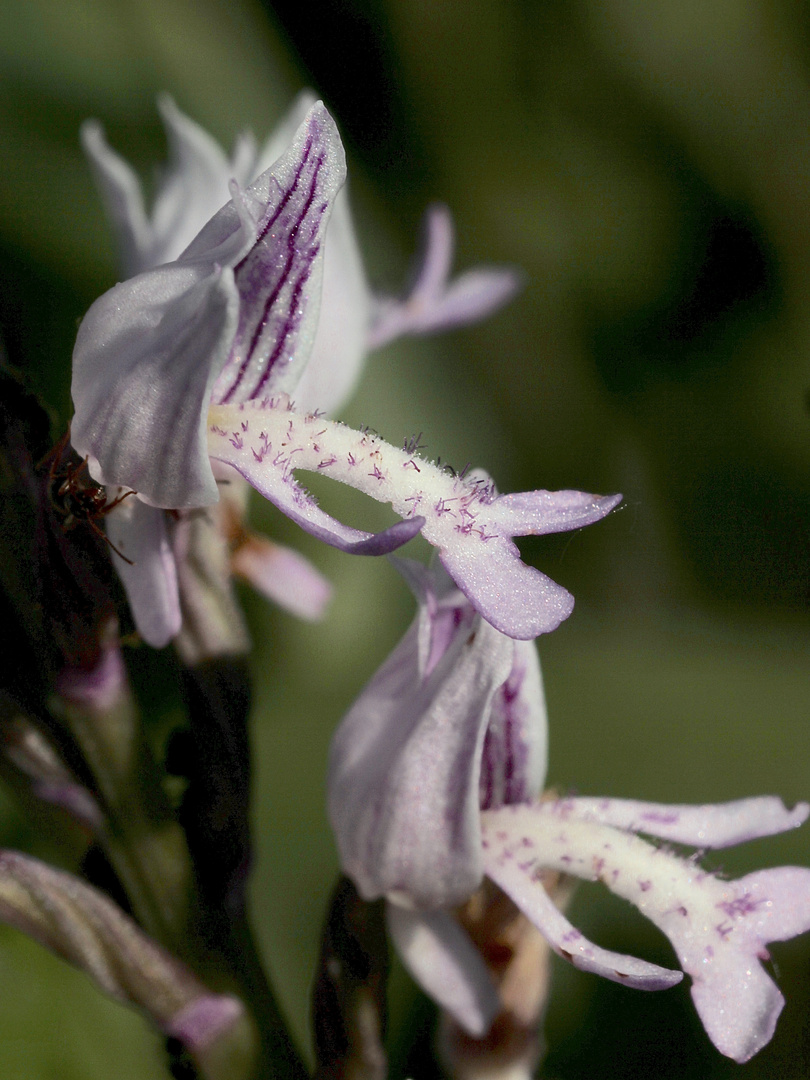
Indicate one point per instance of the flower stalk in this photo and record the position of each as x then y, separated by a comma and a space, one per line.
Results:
144, 842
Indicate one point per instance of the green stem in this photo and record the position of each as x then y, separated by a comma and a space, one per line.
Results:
280, 1059
143, 841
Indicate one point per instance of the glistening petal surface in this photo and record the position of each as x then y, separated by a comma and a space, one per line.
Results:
146, 357
719, 929
715, 825
446, 964
138, 531
267, 440
404, 767
279, 278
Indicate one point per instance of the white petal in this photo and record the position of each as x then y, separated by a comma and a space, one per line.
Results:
193, 187
719, 929
284, 132
444, 962
459, 516
138, 531
279, 278
716, 825
146, 357
283, 576
339, 352
120, 190
404, 768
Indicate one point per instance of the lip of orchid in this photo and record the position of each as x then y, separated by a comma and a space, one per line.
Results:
472, 527
719, 928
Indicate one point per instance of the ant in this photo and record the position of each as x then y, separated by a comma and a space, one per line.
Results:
75, 496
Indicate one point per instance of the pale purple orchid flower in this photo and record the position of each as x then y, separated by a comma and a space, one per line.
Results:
353, 319
434, 779
193, 187
178, 327
192, 362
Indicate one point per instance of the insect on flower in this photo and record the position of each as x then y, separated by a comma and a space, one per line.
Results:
75, 496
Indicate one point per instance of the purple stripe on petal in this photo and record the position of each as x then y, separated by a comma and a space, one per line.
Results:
279, 278
254, 277
513, 766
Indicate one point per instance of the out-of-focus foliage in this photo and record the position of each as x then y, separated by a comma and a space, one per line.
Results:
647, 162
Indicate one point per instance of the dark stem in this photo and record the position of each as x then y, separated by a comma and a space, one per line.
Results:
214, 755
280, 1058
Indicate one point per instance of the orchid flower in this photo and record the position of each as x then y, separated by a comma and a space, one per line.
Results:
329, 348
353, 319
193, 362
434, 782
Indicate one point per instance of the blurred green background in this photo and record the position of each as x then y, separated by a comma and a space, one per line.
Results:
647, 163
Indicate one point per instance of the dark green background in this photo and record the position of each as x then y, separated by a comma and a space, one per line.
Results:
647, 163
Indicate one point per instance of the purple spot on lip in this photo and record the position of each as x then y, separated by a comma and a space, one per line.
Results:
740, 905
660, 819
645, 886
